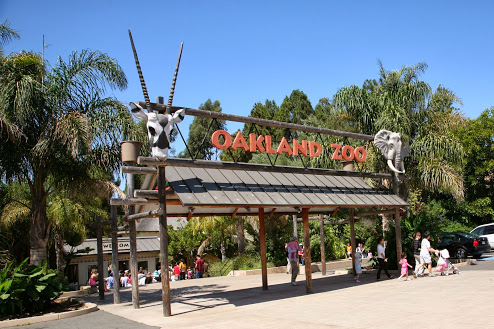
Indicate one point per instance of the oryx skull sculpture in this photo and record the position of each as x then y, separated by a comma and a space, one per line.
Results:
389, 143
159, 127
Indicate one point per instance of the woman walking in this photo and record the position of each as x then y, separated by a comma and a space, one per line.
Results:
416, 252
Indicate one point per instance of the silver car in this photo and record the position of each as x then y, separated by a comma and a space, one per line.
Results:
486, 230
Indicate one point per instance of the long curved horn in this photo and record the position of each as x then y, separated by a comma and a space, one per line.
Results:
141, 77
172, 90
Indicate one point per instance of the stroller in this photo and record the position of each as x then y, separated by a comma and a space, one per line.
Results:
444, 265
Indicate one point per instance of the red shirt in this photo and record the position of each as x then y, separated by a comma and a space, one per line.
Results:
199, 265
176, 270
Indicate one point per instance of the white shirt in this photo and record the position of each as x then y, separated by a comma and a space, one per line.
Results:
424, 247
381, 251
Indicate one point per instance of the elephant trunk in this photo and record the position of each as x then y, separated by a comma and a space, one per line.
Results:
397, 163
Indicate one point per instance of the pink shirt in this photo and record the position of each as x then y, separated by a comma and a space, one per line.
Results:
404, 263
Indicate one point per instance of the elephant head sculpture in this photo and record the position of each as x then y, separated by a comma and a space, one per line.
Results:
389, 143
159, 127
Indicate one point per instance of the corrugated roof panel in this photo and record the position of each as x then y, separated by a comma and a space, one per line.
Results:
200, 187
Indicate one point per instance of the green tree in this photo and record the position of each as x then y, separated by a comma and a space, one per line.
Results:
6, 35
478, 141
294, 109
199, 144
58, 127
399, 101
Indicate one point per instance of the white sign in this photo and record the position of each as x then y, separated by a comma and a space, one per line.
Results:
121, 246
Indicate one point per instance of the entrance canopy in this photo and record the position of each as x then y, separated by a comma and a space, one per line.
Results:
206, 191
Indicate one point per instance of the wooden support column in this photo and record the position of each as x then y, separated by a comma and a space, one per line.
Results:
262, 247
308, 265
114, 255
133, 245
295, 229
99, 247
352, 237
165, 280
323, 251
398, 237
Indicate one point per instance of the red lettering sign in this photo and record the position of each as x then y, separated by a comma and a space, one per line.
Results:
265, 144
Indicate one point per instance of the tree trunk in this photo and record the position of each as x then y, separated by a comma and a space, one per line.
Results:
38, 231
223, 247
59, 249
200, 250
240, 236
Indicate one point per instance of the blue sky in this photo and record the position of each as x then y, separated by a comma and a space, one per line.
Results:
243, 52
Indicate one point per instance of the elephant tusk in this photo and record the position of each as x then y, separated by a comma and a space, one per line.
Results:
392, 167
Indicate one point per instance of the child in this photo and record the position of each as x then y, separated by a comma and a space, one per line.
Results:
358, 266
404, 266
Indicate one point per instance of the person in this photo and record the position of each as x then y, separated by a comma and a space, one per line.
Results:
293, 250
360, 248
416, 252
404, 267
301, 254
381, 258
358, 265
123, 279
199, 267
183, 269
425, 250
349, 250
109, 281
93, 278
176, 272
287, 259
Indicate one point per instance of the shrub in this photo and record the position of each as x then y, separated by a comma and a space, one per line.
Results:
27, 289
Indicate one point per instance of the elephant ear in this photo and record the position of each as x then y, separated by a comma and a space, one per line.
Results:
381, 140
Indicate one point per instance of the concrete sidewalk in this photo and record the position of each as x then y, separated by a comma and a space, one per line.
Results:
459, 301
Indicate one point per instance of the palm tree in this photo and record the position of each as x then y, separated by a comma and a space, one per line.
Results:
399, 101
58, 130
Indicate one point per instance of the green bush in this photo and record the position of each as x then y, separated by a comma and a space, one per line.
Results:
28, 289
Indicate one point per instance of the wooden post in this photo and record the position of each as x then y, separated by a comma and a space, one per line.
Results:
262, 242
308, 265
352, 237
134, 271
323, 250
165, 280
114, 255
398, 237
99, 247
295, 229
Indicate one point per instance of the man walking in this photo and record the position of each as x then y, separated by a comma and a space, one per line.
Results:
293, 249
199, 267
381, 258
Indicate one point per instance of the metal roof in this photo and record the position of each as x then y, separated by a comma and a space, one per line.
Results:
222, 191
151, 243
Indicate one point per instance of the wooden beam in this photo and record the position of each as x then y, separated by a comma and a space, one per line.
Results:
353, 241
398, 237
374, 212
151, 213
178, 162
262, 122
165, 280
99, 248
114, 256
272, 212
189, 215
133, 246
117, 229
262, 247
235, 212
153, 194
323, 248
129, 201
308, 266
138, 170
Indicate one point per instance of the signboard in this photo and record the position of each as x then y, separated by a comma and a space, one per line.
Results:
122, 245
264, 144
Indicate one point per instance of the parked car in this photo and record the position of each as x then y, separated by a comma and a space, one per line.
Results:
461, 245
486, 230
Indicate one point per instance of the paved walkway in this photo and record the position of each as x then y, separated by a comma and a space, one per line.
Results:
459, 301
